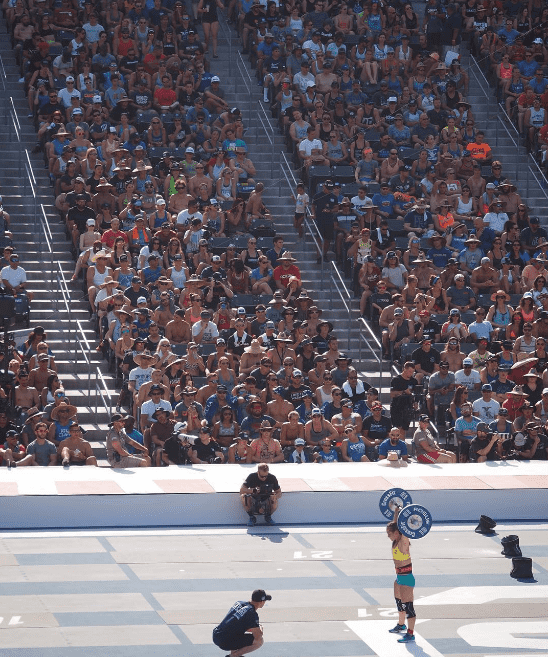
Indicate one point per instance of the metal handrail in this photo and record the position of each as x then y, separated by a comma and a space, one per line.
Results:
82, 345
45, 234
311, 228
32, 184
336, 281
64, 292
105, 392
509, 127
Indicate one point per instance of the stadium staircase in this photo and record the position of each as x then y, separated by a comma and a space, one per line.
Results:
39, 239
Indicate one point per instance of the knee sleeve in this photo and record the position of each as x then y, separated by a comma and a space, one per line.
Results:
408, 607
399, 605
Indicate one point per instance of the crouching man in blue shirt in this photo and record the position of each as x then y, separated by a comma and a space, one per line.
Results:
239, 631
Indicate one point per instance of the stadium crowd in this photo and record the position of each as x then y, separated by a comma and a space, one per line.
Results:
219, 352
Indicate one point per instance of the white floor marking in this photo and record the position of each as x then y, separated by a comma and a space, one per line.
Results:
478, 595
501, 635
375, 634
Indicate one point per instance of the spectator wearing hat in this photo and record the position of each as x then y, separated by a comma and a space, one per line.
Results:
515, 404
419, 220
142, 373
62, 418
13, 452
74, 450
402, 390
480, 328
221, 397
156, 400
346, 417
301, 454
14, 278
156, 436
485, 407
265, 448
426, 447
460, 296
117, 441
375, 429
353, 447
521, 446
501, 385
400, 331
205, 331
353, 388
500, 424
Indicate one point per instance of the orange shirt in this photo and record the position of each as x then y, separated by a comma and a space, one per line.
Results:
479, 151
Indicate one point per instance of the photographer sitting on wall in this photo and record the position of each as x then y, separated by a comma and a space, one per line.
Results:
260, 493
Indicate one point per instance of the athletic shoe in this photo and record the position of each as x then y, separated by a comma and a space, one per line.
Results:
251, 521
268, 520
407, 638
66, 463
398, 629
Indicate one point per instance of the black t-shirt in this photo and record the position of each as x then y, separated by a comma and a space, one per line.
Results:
426, 360
206, 452
267, 486
478, 444
259, 377
398, 384
236, 344
133, 296
324, 204
541, 454
377, 430
241, 617
508, 447
296, 395
430, 330
80, 217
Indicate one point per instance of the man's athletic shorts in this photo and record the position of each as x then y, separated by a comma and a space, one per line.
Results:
428, 457
233, 642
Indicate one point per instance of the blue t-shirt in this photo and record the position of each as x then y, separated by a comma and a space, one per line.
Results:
241, 617
386, 446
462, 425
439, 257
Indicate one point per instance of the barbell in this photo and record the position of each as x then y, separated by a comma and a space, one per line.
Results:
414, 520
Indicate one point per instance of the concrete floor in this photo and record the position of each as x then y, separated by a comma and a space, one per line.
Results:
160, 592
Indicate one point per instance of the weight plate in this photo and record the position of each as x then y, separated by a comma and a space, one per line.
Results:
414, 521
391, 498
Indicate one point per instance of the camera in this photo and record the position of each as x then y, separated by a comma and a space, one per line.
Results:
215, 459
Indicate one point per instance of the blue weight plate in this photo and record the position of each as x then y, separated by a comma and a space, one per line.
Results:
414, 521
391, 498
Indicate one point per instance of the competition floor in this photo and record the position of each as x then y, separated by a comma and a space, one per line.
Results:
137, 593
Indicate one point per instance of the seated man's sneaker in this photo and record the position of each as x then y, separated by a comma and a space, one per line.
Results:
251, 521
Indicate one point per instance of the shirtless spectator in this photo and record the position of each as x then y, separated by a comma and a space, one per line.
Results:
279, 408
178, 330
484, 279
74, 450
39, 376
453, 355
26, 396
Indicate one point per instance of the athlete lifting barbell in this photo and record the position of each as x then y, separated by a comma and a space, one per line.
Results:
407, 520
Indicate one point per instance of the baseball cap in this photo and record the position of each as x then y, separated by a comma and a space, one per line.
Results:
215, 78
97, 99
300, 441
90, 222
487, 387
398, 311
141, 299
519, 440
482, 426
259, 595
467, 361
424, 418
